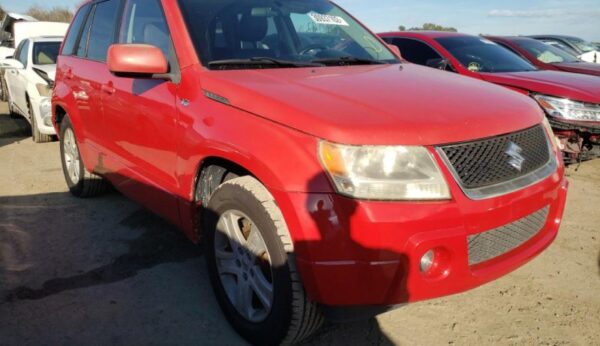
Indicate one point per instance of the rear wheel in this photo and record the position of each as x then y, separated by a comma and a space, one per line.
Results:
251, 263
36, 135
81, 183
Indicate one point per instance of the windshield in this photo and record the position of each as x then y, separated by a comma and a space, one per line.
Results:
481, 55
582, 45
544, 52
295, 32
45, 53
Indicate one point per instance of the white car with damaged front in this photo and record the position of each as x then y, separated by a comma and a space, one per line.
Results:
29, 77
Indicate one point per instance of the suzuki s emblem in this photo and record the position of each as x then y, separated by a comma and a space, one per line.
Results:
516, 159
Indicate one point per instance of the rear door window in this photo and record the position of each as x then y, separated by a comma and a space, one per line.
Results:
75, 30
85, 35
102, 32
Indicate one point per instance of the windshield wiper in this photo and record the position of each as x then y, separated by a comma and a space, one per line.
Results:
348, 60
258, 62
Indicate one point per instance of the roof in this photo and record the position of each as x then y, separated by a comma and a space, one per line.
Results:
555, 36
47, 39
19, 16
429, 34
509, 38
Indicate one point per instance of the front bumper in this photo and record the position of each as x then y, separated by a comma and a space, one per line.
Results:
42, 110
355, 253
592, 127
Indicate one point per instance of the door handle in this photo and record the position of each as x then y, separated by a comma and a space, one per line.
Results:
69, 74
108, 88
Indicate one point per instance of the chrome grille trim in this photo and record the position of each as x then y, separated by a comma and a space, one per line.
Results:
491, 244
503, 187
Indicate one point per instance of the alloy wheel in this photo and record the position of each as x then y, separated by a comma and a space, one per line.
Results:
71, 156
244, 265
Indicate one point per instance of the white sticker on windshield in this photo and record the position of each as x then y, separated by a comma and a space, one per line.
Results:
326, 19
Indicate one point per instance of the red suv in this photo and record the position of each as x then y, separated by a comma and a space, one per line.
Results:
325, 178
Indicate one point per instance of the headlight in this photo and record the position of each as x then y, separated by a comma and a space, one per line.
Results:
44, 90
555, 141
384, 172
567, 109
46, 111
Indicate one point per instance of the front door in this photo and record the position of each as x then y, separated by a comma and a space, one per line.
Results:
140, 116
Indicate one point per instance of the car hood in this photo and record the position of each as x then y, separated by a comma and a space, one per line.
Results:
50, 70
376, 104
570, 85
579, 67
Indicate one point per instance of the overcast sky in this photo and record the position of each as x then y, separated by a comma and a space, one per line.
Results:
507, 17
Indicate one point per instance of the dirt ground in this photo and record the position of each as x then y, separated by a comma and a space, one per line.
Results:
104, 271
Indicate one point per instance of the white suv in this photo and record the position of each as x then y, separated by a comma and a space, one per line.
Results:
29, 77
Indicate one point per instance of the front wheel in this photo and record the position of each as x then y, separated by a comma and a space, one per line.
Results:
81, 183
252, 268
36, 135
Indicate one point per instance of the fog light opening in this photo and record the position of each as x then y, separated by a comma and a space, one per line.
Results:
427, 261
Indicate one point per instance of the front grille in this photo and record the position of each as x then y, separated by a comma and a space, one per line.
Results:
488, 245
487, 162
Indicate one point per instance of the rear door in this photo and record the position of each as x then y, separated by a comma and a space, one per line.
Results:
140, 116
83, 68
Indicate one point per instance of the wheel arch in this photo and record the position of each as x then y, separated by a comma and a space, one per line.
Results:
228, 166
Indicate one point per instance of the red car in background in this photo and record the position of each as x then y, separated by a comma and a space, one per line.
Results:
545, 56
571, 101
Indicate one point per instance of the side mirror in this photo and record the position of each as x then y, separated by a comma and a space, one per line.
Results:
11, 64
439, 63
395, 50
137, 60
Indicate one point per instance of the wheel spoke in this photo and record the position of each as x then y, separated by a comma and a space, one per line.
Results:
244, 299
71, 156
255, 244
236, 238
227, 264
262, 287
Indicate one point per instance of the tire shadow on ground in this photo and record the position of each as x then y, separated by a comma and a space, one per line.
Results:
13, 129
159, 244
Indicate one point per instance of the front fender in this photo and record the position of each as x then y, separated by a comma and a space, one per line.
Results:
281, 158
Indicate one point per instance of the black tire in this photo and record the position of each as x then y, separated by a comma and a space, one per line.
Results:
4, 88
292, 317
36, 135
88, 184
13, 114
